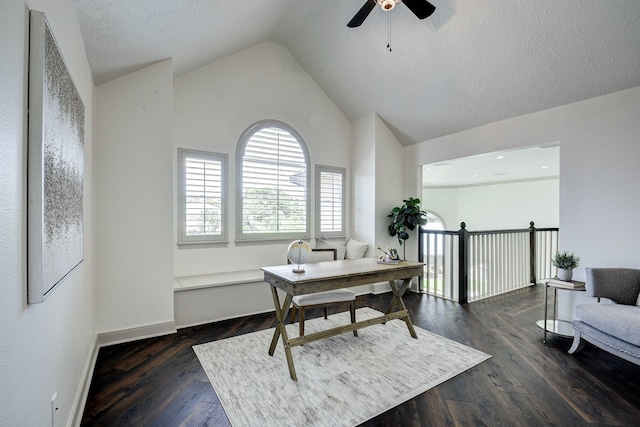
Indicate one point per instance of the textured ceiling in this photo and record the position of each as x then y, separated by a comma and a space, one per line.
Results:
472, 62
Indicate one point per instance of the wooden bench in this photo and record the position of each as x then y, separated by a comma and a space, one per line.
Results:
186, 283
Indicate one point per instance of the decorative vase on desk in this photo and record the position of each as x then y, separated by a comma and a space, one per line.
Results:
565, 275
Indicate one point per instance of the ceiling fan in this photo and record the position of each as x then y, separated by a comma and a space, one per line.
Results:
421, 8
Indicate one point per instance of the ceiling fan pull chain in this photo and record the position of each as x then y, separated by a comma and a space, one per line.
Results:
389, 34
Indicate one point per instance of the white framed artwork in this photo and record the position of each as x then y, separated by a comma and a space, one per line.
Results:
55, 230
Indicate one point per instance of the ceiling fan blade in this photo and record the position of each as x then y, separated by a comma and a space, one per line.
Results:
421, 8
362, 14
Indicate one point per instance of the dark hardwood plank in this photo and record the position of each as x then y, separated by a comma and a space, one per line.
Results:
206, 414
159, 381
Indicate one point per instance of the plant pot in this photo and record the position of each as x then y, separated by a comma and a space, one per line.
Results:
565, 275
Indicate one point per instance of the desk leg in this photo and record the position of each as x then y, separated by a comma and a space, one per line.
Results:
398, 292
546, 291
281, 330
555, 304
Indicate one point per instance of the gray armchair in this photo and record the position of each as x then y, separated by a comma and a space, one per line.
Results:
612, 327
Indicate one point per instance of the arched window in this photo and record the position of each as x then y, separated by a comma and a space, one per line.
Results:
434, 222
273, 183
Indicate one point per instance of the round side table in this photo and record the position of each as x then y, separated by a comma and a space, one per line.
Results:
563, 328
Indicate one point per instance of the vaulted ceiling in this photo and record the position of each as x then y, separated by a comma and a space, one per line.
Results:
472, 62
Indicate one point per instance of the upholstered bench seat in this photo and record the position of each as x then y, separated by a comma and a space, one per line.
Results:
328, 297
301, 302
354, 250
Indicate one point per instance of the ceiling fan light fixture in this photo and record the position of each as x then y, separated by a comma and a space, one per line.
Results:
421, 8
387, 5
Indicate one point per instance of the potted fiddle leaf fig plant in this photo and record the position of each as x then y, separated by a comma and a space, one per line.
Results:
406, 218
565, 262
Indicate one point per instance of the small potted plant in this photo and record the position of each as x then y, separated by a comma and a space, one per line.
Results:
565, 262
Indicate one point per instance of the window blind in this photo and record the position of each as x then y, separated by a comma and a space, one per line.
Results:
202, 196
331, 195
274, 184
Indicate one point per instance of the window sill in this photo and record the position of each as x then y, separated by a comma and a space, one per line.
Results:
269, 240
202, 244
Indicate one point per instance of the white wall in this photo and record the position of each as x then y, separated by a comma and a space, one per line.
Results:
444, 203
600, 172
45, 348
598, 164
598, 187
363, 183
598, 179
213, 107
388, 190
377, 182
134, 215
497, 206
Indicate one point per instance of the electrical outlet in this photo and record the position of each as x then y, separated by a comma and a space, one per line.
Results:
54, 409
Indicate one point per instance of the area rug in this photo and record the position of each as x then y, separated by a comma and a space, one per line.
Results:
342, 381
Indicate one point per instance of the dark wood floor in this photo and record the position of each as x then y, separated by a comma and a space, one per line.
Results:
159, 382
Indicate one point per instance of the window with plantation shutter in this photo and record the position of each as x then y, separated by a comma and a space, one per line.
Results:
330, 201
273, 201
202, 194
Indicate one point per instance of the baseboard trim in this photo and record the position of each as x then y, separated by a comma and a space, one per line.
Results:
137, 333
220, 319
105, 339
83, 389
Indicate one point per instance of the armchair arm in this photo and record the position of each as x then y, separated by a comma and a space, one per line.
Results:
621, 285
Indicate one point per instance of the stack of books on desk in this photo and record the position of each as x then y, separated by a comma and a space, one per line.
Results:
573, 284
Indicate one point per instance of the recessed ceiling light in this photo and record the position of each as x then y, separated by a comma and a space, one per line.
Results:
500, 157
476, 176
545, 167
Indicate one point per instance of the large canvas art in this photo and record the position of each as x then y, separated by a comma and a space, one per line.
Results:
55, 165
